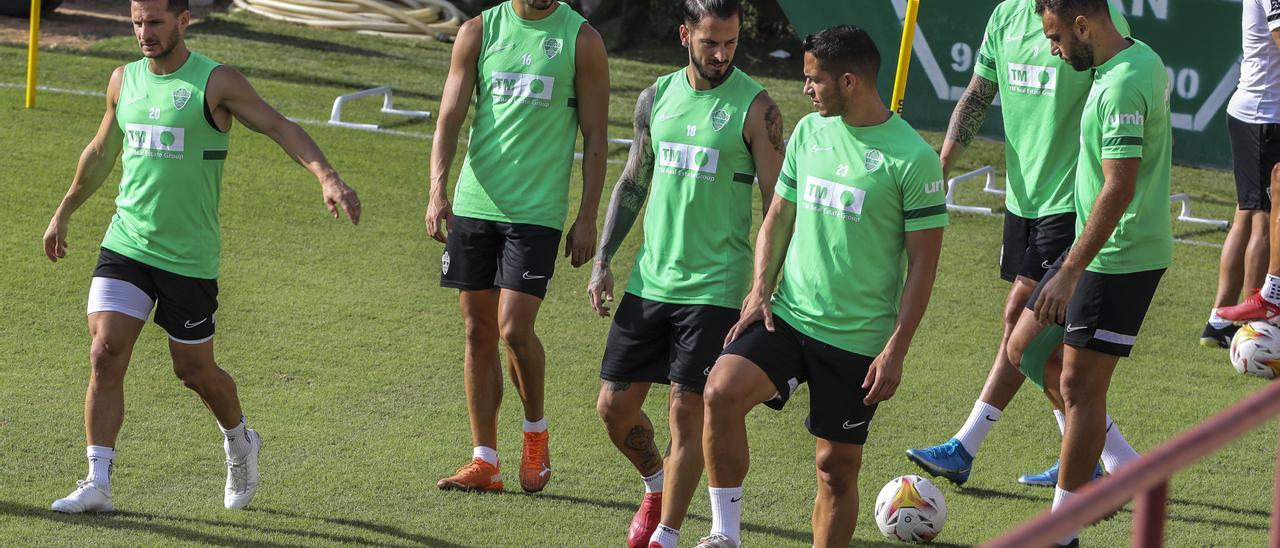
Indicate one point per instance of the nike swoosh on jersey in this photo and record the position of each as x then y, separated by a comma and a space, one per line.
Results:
664, 116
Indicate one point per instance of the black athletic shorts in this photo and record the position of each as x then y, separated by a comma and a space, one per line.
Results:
482, 254
835, 377
1255, 150
1106, 310
1031, 245
658, 342
185, 306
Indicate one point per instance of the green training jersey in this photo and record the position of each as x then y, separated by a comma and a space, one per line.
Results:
1127, 116
858, 191
526, 120
1041, 99
167, 211
697, 225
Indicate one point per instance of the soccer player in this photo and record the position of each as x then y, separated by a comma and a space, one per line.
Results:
703, 133
1253, 123
855, 230
1102, 287
1041, 101
539, 73
170, 114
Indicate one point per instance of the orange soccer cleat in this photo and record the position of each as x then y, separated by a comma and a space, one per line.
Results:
477, 475
535, 464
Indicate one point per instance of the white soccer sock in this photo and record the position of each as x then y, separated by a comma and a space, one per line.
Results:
100, 462
237, 441
1271, 289
540, 426
1060, 497
664, 536
487, 454
726, 512
1116, 452
653, 484
979, 423
1216, 321
1062, 421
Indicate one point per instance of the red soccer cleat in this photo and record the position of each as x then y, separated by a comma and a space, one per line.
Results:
646, 521
1255, 308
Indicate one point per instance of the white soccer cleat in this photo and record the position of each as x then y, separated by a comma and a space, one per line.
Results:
86, 498
716, 540
242, 475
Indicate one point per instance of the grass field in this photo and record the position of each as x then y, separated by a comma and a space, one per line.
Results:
348, 354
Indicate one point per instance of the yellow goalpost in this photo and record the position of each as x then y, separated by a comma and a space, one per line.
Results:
32, 50
904, 56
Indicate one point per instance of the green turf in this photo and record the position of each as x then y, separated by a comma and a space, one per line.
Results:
348, 355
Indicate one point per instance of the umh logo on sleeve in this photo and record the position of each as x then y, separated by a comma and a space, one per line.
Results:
520, 87
155, 141
835, 199
680, 159
1033, 79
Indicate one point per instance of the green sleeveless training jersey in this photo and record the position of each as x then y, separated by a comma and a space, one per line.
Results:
526, 119
167, 211
696, 228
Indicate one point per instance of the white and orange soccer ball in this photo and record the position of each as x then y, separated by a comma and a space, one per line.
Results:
1255, 350
910, 509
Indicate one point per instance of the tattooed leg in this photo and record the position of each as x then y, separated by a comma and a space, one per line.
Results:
621, 408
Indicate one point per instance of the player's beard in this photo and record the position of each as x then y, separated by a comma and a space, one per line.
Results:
706, 73
167, 45
539, 4
1080, 56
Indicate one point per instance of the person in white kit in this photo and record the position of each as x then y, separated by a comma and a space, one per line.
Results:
1253, 123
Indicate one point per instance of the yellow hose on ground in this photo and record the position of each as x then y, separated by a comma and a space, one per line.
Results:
433, 19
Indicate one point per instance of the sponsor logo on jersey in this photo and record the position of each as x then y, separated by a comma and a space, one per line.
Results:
872, 160
180, 97
1127, 119
835, 199
1033, 79
552, 47
934, 187
155, 141
518, 87
719, 118
680, 159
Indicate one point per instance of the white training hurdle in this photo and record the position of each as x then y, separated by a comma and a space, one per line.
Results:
335, 116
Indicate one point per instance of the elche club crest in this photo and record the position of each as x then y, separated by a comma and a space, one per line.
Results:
872, 160
718, 119
444, 263
180, 98
552, 47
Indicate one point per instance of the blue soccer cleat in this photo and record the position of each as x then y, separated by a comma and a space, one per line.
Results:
949, 460
1049, 478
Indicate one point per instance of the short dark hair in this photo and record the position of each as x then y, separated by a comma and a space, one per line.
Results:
845, 48
695, 10
1073, 8
175, 6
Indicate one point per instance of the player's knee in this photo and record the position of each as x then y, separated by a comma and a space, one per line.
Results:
1076, 389
686, 414
1014, 350
607, 410
838, 474
518, 337
481, 333
720, 398
192, 375
106, 363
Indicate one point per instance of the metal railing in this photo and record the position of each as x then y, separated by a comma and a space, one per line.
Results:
1147, 479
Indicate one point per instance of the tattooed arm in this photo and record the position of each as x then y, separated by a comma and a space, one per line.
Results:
967, 119
763, 134
624, 206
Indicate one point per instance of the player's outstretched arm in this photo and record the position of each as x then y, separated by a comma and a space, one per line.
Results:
625, 203
1120, 183
966, 121
454, 102
591, 86
96, 162
763, 133
771, 248
924, 248
232, 91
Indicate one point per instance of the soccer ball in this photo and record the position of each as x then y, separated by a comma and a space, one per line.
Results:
910, 509
1255, 350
